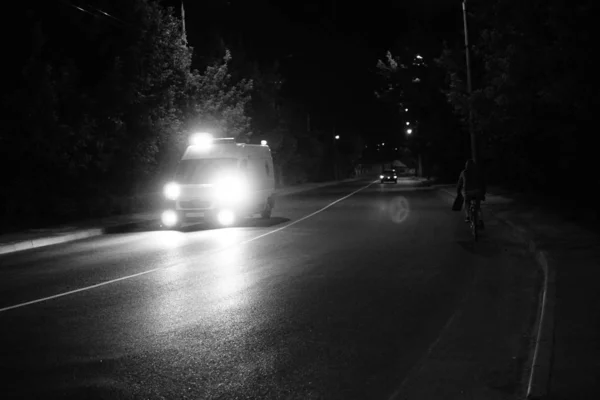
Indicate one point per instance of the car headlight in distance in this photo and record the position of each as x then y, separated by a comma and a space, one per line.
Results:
172, 191
380, 176
395, 177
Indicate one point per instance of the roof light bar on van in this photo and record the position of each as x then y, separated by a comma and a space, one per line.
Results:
201, 139
224, 140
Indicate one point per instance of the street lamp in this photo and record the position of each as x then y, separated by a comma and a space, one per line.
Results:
406, 110
409, 131
335, 155
407, 123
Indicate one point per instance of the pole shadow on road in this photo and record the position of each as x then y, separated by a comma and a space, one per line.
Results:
483, 248
148, 226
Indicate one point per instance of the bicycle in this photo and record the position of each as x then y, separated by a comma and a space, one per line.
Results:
474, 218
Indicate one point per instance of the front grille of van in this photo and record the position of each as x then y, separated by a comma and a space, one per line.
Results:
194, 204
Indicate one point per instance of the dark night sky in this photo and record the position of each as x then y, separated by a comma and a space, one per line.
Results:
327, 51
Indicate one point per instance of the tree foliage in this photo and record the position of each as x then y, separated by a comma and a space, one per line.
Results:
532, 88
410, 83
104, 101
218, 104
298, 154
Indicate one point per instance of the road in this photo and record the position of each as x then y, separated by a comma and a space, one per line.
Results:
341, 295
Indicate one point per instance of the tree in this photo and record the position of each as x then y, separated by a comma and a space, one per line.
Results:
530, 92
411, 82
298, 153
218, 104
154, 78
100, 114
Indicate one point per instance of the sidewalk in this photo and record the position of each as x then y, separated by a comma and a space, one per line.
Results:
566, 352
34, 238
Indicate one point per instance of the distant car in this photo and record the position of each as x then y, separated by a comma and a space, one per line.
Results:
389, 175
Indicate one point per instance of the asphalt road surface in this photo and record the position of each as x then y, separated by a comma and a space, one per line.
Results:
339, 296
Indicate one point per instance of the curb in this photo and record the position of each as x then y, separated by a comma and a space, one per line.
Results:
88, 233
539, 376
538, 381
50, 240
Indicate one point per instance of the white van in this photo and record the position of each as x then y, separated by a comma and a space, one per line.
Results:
219, 180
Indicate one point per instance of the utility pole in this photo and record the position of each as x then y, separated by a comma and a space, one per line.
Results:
335, 82
469, 86
183, 31
334, 10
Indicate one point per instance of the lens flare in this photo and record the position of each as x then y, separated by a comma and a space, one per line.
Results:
399, 209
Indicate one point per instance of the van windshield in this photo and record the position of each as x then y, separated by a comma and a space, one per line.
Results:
205, 170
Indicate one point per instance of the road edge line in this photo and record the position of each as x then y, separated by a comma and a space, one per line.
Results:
85, 288
45, 241
298, 189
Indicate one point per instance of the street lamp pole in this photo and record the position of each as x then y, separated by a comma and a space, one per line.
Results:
334, 139
469, 85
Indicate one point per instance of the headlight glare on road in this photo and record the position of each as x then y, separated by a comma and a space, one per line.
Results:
169, 218
226, 217
172, 191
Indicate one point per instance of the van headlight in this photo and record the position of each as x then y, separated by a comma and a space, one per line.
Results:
172, 191
169, 218
226, 217
231, 190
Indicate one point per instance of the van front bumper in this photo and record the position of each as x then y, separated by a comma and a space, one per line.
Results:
185, 211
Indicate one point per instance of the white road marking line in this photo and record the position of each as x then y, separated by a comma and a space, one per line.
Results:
415, 369
86, 288
540, 330
420, 364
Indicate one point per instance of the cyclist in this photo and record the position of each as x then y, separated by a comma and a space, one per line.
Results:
471, 184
